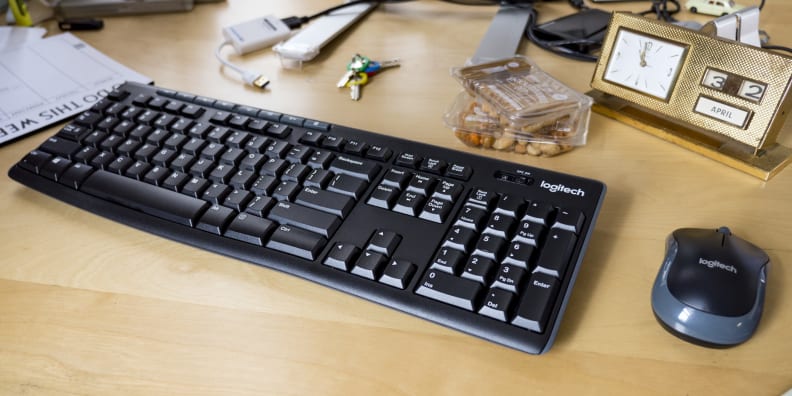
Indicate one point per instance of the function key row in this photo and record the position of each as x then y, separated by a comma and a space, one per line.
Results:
242, 109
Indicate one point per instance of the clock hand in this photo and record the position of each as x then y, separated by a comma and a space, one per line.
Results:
643, 54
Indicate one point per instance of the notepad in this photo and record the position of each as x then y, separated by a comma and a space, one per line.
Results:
44, 81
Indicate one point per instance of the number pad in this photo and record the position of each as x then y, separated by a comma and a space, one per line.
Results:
496, 254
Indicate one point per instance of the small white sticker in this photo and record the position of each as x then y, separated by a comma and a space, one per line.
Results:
721, 111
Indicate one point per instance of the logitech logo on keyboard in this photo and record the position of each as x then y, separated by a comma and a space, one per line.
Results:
562, 188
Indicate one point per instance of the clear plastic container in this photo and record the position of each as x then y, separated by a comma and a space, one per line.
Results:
476, 127
514, 105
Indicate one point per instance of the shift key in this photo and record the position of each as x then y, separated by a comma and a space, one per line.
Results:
442, 286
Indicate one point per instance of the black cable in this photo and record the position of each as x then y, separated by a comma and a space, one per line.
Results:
558, 47
661, 11
294, 22
351, 3
777, 48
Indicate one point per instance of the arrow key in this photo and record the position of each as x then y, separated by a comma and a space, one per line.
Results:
369, 265
384, 242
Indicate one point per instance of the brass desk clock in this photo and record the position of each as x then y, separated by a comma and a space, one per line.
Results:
720, 98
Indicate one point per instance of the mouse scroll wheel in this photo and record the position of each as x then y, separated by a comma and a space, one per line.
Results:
725, 231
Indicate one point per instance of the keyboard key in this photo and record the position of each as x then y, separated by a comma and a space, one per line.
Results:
238, 200
369, 265
379, 153
509, 205
35, 160
286, 191
497, 303
509, 278
460, 238
159, 202
398, 273
570, 220
409, 203
420, 184
306, 218
481, 198
396, 178
342, 255
448, 260
436, 210
334, 143
326, 201
479, 269
539, 212
359, 168
348, 185
447, 190
460, 172
519, 254
312, 138
472, 217
500, 225
195, 187
60, 147
490, 246
408, 160
536, 303
355, 147
449, 289
433, 165
75, 175
216, 219
55, 167
556, 252
260, 206
384, 242
529, 233
383, 196
297, 242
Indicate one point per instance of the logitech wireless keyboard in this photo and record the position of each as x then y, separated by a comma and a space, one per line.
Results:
487, 247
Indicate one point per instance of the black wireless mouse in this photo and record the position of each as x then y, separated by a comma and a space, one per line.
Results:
710, 289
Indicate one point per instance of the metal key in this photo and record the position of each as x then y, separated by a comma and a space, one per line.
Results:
375, 66
345, 78
354, 84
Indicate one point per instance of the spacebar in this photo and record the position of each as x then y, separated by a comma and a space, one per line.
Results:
147, 198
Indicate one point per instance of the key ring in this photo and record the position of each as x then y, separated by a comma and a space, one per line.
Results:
361, 78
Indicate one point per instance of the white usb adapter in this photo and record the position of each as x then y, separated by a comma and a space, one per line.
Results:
249, 36
255, 34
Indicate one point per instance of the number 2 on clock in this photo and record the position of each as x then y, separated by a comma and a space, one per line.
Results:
751, 90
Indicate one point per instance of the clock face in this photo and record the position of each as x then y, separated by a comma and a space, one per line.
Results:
645, 63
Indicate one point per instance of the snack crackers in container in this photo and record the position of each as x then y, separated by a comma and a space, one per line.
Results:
512, 105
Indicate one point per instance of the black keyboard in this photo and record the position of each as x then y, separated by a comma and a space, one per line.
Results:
487, 247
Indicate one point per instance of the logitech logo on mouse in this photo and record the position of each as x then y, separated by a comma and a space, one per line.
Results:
562, 188
717, 264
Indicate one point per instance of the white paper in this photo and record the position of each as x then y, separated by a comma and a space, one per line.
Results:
13, 36
48, 80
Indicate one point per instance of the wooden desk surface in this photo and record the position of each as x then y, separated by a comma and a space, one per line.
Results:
88, 306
